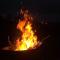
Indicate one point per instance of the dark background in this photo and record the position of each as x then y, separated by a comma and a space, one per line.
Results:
45, 10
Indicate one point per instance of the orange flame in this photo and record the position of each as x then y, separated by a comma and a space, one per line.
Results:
28, 38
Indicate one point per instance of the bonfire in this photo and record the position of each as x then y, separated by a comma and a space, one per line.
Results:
28, 39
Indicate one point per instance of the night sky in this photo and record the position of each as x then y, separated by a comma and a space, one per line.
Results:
49, 8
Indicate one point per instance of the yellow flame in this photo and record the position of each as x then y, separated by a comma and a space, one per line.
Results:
28, 37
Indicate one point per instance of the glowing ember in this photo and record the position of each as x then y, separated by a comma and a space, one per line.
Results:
28, 38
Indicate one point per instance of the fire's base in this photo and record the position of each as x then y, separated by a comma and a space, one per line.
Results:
21, 55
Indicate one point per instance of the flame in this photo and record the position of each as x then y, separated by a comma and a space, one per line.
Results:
28, 38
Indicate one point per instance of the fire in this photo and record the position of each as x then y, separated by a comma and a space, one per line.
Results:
28, 38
